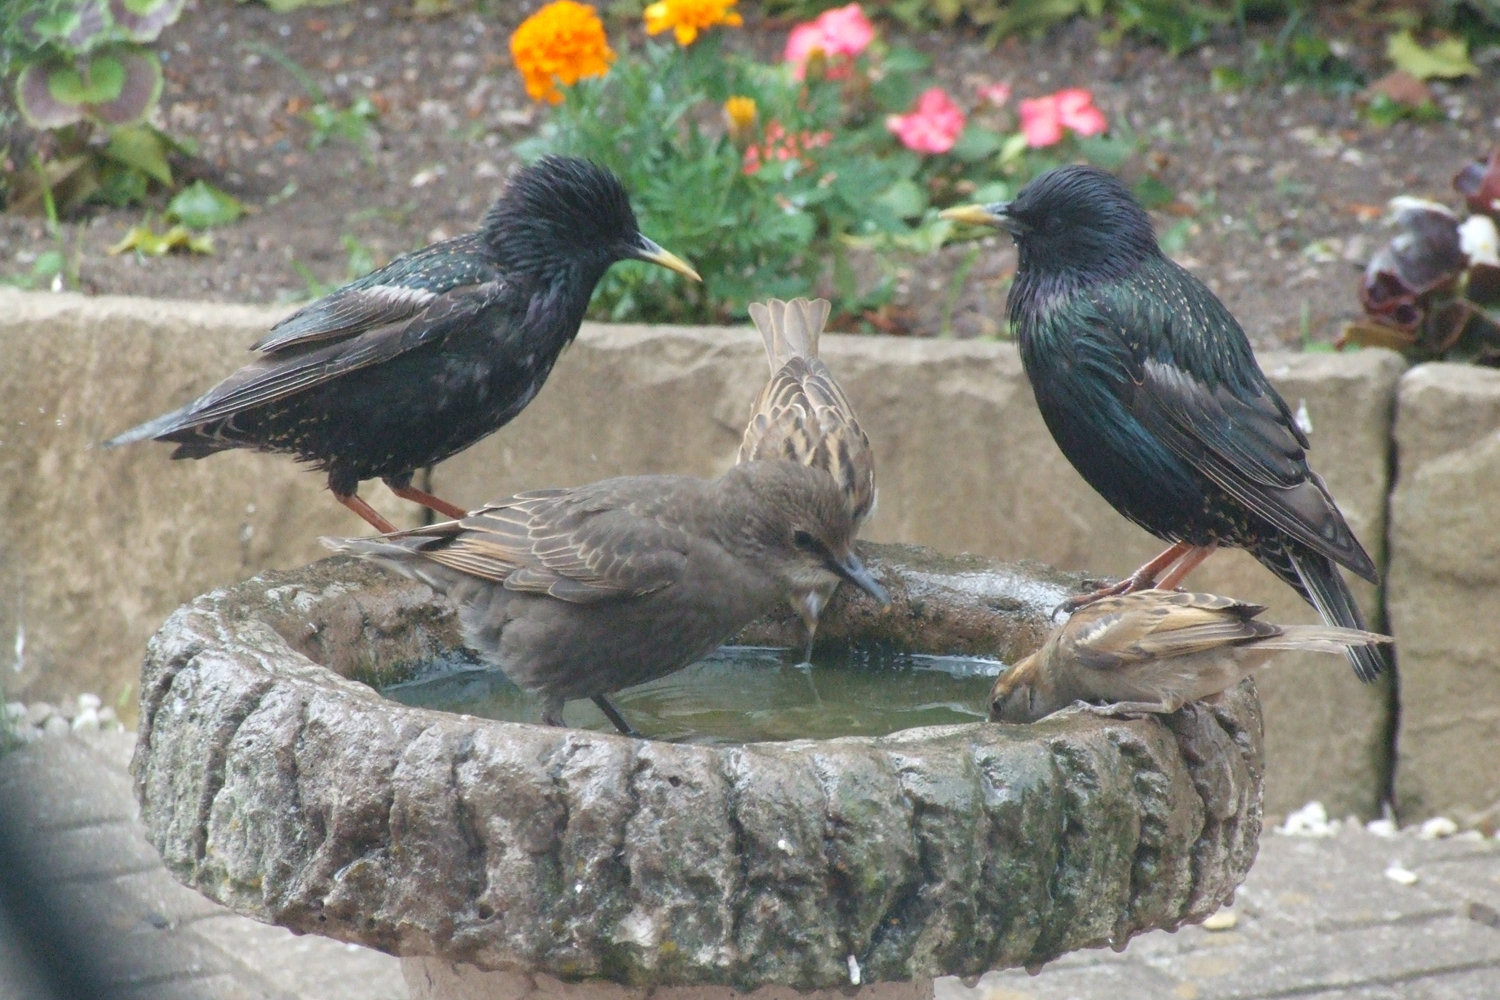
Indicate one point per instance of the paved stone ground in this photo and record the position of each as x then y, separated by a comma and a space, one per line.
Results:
1319, 918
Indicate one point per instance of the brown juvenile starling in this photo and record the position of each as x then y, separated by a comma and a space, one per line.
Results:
1153, 651
576, 593
1149, 387
422, 358
803, 415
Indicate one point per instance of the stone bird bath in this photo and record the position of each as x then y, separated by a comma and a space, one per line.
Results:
509, 860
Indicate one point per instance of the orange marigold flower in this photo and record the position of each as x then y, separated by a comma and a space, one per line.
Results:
561, 43
688, 17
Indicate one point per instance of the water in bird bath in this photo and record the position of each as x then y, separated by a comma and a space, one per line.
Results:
743, 694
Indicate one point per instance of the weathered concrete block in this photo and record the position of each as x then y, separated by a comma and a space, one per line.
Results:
1444, 590
96, 547
964, 463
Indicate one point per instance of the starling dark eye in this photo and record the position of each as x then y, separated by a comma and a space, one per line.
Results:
805, 541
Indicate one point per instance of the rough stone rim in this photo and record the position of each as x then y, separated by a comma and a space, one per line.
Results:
295, 796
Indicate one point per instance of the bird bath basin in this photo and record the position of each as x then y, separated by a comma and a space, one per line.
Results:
503, 859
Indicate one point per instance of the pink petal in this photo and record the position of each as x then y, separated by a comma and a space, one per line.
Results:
1076, 110
804, 38
1039, 122
846, 30
994, 93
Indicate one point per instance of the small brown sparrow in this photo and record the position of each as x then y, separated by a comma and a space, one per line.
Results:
802, 415
1152, 651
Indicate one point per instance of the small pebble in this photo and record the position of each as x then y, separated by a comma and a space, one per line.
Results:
14, 711
68, 707
1401, 876
86, 721
108, 716
56, 726
1223, 920
1381, 827
89, 701
39, 712
1436, 828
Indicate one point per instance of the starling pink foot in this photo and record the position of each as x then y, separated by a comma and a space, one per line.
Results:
420, 359
1150, 389
578, 593
1153, 651
803, 415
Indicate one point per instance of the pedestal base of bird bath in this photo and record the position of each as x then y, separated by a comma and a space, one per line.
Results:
498, 856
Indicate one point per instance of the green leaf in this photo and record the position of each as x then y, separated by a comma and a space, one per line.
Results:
1446, 60
905, 199
992, 192
976, 143
1152, 193
904, 60
145, 240
92, 82
120, 185
140, 146
202, 206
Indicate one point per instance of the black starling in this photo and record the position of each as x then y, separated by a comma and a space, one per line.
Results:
420, 359
576, 593
802, 415
1151, 390
1153, 651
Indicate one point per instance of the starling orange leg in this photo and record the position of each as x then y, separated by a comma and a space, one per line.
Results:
1142, 579
431, 502
364, 510
1189, 563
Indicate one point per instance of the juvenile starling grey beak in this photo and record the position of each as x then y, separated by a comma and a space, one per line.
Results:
648, 250
995, 215
851, 569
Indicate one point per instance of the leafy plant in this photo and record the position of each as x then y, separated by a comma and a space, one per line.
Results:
768, 182
85, 78
354, 123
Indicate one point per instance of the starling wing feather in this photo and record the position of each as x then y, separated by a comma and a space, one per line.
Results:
292, 371
577, 545
392, 295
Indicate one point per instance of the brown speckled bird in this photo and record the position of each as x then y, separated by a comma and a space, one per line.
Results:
1153, 651
576, 593
803, 415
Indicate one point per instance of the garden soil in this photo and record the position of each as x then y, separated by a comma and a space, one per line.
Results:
1278, 189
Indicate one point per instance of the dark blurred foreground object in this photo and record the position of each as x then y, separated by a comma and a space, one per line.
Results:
1150, 389
1433, 291
1153, 651
422, 358
577, 593
802, 415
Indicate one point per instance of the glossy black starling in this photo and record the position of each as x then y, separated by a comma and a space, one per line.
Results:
803, 415
1153, 651
1151, 390
420, 359
576, 593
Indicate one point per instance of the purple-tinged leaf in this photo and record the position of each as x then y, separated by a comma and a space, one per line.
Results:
143, 20
138, 94
35, 101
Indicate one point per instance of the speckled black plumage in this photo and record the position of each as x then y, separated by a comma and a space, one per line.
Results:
1151, 390
427, 355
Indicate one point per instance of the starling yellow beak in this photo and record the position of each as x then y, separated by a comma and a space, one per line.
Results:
648, 250
995, 215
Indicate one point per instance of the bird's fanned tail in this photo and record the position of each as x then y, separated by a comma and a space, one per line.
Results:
790, 329
1331, 596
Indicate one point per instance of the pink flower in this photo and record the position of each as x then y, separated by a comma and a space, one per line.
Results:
779, 145
840, 34
994, 93
1043, 119
933, 127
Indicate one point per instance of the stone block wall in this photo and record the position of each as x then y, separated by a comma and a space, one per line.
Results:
96, 548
